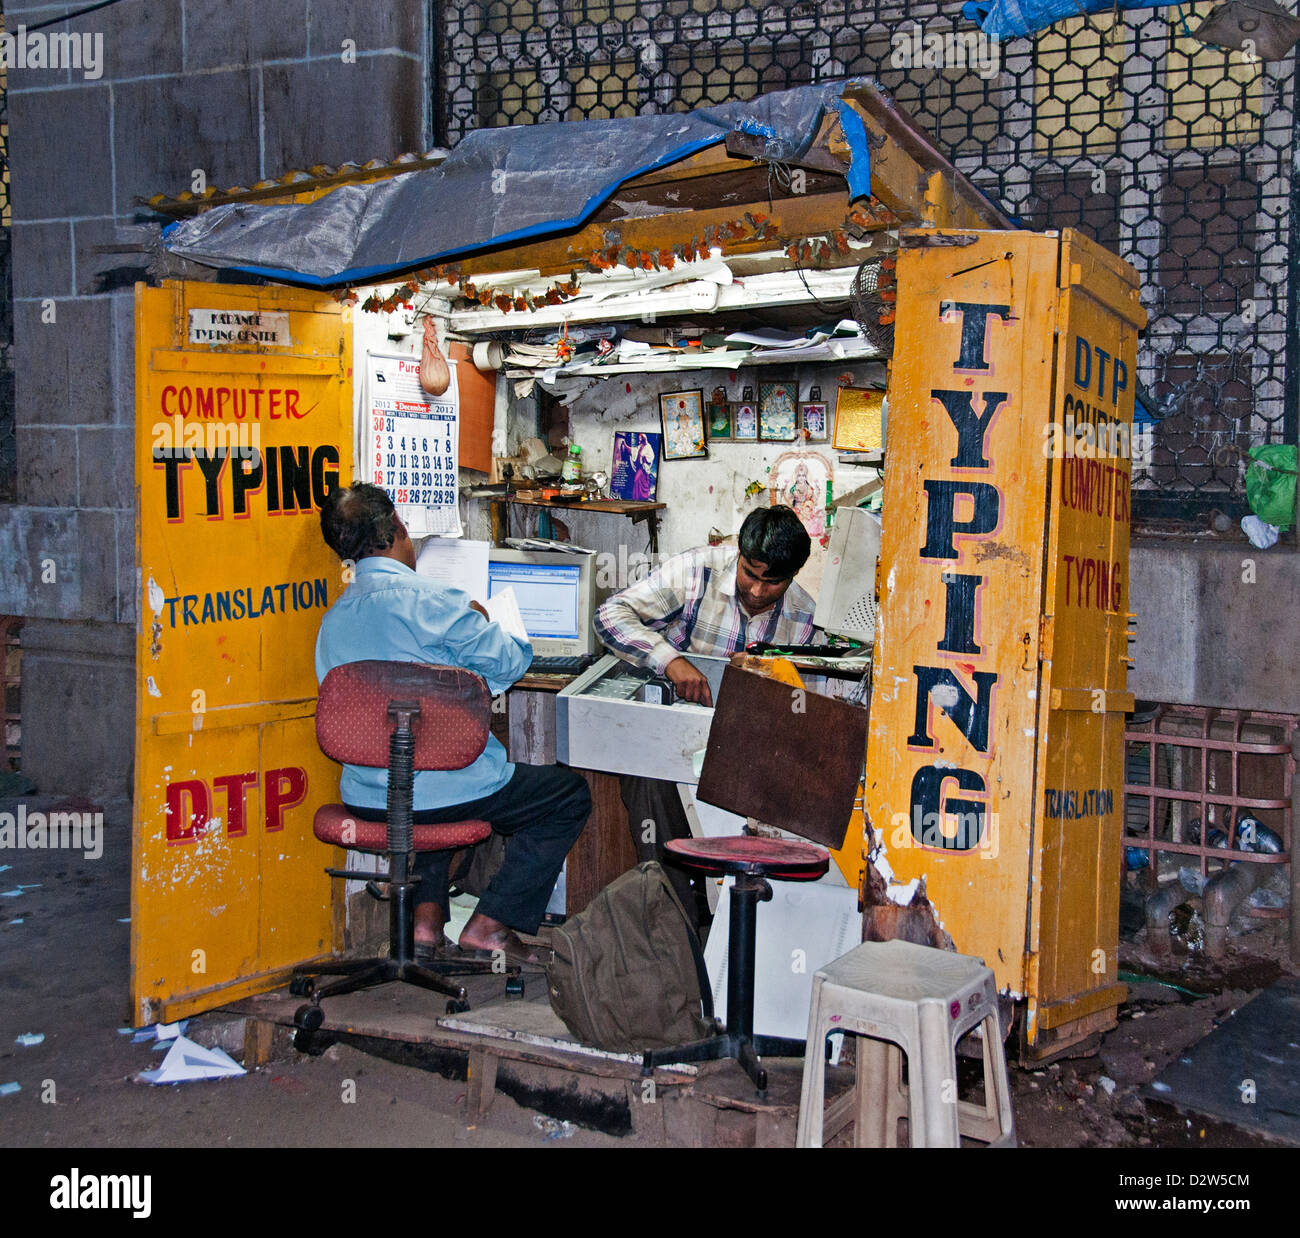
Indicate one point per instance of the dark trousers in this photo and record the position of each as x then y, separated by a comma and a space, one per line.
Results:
654, 815
541, 812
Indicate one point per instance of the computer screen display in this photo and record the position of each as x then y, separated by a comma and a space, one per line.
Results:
548, 595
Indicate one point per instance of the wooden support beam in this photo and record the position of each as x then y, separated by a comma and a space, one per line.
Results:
912, 178
790, 218
818, 158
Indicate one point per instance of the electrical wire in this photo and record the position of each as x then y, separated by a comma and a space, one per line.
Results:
55, 21
781, 172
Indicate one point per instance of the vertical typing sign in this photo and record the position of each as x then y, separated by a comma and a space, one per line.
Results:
414, 443
238, 444
952, 743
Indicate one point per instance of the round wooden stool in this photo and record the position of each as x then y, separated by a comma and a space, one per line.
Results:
752, 861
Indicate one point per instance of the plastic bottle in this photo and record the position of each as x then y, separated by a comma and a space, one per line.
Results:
573, 465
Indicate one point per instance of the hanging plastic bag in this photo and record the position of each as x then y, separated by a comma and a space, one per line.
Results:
1271, 482
1259, 29
1009, 19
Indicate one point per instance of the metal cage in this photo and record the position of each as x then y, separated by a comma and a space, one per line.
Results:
1173, 154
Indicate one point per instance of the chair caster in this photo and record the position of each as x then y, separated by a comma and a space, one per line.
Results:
312, 1044
457, 1006
515, 985
308, 1018
302, 986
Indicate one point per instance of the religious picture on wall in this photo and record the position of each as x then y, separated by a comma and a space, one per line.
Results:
744, 418
718, 415
635, 474
812, 418
682, 414
778, 412
800, 480
859, 424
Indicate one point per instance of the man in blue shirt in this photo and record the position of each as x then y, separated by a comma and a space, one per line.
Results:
389, 613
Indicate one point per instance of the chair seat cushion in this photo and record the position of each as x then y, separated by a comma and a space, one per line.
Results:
335, 824
780, 858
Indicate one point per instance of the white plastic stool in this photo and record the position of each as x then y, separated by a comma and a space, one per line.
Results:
902, 998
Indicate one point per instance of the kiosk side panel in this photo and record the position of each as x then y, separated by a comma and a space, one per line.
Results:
244, 423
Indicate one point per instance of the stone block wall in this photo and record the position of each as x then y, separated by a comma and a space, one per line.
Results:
242, 91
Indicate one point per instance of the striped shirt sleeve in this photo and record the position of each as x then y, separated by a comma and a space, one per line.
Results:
630, 623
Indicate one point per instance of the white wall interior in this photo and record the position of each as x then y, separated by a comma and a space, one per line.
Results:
703, 494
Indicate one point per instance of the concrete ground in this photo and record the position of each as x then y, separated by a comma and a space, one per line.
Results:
64, 974
64, 951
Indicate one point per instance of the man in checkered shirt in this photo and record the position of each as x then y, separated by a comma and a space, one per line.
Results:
715, 600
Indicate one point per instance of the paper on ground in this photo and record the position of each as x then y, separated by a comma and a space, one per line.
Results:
159, 1031
503, 608
186, 1060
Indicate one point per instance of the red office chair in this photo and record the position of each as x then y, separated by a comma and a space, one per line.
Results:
402, 716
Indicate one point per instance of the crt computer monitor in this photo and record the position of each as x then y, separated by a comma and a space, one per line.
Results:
556, 594
846, 602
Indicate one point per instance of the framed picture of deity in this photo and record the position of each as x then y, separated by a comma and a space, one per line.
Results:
778, 412
744, 418
682, 414
717, 413
813, 418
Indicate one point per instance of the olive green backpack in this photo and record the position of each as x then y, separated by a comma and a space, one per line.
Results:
627, 972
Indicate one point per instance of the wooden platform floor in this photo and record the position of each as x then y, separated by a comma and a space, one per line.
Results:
518, 1046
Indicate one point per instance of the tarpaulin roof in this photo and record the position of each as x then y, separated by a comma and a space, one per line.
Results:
498, 186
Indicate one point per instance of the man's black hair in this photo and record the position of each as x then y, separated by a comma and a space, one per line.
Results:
775, 536
358, 521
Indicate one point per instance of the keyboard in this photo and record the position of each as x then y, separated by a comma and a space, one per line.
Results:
574, 665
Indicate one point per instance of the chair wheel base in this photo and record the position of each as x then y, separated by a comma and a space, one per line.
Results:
312, 1044
302, 986
457, 1006
308, 1017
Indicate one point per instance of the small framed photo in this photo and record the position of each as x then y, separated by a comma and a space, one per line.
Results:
744, 418
778, 413
635, 474
859, 420
682, 415
718, 414
813, 420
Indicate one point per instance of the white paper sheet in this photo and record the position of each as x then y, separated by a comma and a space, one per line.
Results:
458, 562
804, 927
503, 608
775, 337
186, 1060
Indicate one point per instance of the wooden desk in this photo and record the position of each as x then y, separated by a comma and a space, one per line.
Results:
604, 850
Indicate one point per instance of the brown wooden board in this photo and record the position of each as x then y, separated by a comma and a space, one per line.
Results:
604, 850
477, 402
787, 756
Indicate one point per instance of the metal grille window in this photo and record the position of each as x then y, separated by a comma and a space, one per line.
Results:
1176, 155
1068, 200
8, 444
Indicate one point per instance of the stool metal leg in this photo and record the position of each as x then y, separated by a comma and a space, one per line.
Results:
738, 1041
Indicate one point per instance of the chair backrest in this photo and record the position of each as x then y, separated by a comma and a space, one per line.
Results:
353, 726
